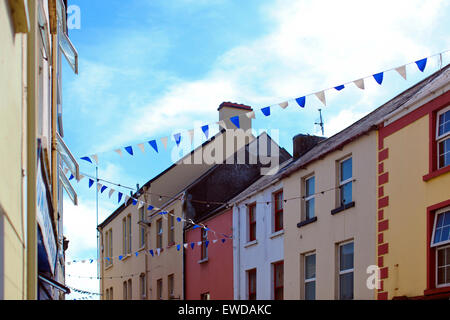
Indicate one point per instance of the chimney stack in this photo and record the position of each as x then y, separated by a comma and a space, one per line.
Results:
230, 109
302, 143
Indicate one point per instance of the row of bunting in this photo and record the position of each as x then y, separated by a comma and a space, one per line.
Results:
266, 111
157, 251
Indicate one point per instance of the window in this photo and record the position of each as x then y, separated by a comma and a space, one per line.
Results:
108, 247
345, 181
125, 290
309, 197
142, 228
278, 280
143, 286
251, 276
346, 271
111, 294
205, 296
310, 276
278, 218
126, 227
107, 295
159, 235
170, 286
443, 138
204, 238
129, 296
159, 289
171, 229
252, 222
441, 240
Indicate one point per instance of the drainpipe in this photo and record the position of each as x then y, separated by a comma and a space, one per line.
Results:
238, 251
54, 174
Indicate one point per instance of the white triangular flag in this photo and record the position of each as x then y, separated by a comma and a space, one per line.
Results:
158, 251
215, 240
185, 245
142, 147
81, 177
111, 192
95, 157
402, 71
119, 151
251, 115
141, 204
222, 124
359, 83
284, 105
65, 170
199, 243
321, 96
164, 141
191, 135
99, 186
126, 198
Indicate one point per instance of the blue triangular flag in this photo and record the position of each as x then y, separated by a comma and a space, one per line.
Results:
177, 137
378, 77
206, 243
178, 247
179, 219
91, 261
134, 202
266, 111
339, 88
205, 130
150, 208
120, 197
235, 121
71, 177
86, 159
103, 189
421, 64
301, 101
120, 257
151, 252
196, 227
192, 245
108, 259
129, 150
153, 145
137, 253
91, 182
223, 240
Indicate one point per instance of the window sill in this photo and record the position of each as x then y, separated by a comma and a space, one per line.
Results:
251, 243
306, 222
436, 173
203, 261
276, 234
437, 291
343, 207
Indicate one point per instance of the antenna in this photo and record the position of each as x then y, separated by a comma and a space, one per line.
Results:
321, 122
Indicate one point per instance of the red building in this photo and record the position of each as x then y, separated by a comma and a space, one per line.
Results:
209, 267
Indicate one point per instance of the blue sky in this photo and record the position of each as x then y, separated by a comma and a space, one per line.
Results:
151, 68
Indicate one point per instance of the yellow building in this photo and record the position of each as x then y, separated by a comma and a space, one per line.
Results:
413, 189
33, 35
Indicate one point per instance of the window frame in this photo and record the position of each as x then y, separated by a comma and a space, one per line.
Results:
251, 293
203, 238
278, 212
130, 290
275, 265
311, 197
251, 232
440, 138
171, 286
159, 289
129, 247
342, 183
171, 229
447, 284
346, 271
159, 233
437, 213
143, 286
125, 290
305, 281
142, 228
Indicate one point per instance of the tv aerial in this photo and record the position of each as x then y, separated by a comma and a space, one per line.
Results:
320, 122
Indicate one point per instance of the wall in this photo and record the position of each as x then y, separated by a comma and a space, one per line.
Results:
269, 247
216, 274
323, 235
12, 139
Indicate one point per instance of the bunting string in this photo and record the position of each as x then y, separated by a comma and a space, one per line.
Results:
266, 111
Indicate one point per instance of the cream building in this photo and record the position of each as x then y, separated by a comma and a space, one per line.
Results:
33, 36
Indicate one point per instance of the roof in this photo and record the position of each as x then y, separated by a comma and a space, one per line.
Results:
234, 105
369, 122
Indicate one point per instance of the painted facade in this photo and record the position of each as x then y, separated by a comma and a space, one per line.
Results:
413, 186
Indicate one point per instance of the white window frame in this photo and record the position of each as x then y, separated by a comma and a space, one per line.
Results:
438, 212
349, 180
441, 138
346, 271
159, 231
307, 198
444, 247
305, 281
142, 228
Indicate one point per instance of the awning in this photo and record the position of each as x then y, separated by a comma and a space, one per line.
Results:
54, 283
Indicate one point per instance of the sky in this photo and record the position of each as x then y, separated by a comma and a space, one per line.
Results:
152, 68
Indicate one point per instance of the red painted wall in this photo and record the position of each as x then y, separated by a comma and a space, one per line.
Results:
216, 275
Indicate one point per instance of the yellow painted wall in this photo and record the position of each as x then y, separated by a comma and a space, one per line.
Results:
323, 236
409, 197
12, 79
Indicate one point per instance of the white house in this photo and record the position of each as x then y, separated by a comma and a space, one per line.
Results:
258, 239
